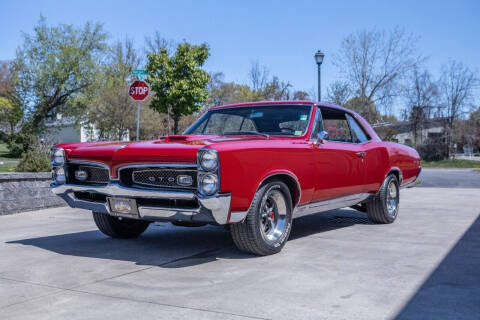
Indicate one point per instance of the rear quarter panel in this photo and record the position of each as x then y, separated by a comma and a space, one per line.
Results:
404, 158
383, 157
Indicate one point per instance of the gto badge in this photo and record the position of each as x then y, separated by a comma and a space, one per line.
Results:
160, 179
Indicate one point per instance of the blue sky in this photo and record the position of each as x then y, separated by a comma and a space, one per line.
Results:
283, 35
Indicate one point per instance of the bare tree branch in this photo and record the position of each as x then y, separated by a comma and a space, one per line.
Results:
374, 63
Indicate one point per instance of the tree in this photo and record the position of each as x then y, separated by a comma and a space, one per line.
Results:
421, 95
10, 114
338, 93
366, 108
475, 122
111, 110
258, 75
275, 90
178, 81
7, 89
373, 63
467, 132
262, 88
53, 66
300, 95
221, 92
157, 43
265, 88
457, 84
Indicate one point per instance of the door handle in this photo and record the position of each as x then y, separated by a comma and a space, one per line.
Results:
361, 154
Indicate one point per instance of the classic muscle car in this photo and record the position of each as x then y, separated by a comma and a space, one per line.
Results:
253, 166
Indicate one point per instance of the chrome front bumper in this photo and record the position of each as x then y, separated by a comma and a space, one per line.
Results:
214, 209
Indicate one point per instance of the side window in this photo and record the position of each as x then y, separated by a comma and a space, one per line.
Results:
336, 125
358, 135
318, 125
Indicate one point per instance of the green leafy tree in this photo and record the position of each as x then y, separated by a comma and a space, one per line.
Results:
10, 114
365, 107
111, 110
179, 83
54, 65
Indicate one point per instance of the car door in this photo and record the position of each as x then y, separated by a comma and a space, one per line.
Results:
339, 164
374, 156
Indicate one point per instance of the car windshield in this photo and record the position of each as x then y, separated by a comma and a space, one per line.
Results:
277, 120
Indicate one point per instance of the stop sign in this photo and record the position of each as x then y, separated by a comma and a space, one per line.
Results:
139, 90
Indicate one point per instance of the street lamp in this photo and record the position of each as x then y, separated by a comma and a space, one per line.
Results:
319, 59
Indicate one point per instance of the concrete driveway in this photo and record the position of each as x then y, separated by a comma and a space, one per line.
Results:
55, 265
449, 178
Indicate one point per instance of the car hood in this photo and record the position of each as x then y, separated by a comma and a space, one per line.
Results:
170, 149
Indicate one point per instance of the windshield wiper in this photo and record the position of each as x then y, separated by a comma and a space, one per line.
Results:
250, 133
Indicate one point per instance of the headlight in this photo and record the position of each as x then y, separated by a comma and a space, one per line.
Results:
208, 159
58, 156
59, 175
208, 184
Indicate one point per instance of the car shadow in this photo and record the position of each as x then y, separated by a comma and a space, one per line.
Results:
168, 246
452, 291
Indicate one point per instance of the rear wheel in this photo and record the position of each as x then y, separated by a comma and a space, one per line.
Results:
383, 208
119, 227
268, 222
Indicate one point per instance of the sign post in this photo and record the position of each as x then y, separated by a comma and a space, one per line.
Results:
139, 91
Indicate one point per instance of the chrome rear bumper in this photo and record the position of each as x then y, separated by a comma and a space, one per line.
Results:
214, 209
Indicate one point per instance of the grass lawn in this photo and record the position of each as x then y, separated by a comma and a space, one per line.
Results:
7, 162
450, 163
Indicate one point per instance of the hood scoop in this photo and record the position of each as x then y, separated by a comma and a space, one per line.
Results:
174, 138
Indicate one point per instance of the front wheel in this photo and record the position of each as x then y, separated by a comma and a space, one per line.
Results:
268, 223
119, 227
383, 207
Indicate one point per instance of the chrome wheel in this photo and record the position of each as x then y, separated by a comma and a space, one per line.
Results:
273, 215
392, 199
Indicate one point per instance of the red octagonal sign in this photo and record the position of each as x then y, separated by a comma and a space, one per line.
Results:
139, 90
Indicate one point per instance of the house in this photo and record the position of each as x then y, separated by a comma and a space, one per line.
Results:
65, 130
409, 133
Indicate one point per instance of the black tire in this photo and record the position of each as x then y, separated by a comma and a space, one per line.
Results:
251, 235
378, 207
119, 228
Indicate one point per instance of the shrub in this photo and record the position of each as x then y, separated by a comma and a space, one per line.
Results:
433, 151
19, 143
37, 159
3, 136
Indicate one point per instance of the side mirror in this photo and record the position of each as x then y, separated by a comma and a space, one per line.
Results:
321, 137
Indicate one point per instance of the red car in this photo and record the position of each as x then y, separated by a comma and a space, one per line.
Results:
253, 166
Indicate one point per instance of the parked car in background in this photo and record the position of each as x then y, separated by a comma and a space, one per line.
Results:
253, 166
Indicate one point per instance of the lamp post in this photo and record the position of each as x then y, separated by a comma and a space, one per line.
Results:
319, 59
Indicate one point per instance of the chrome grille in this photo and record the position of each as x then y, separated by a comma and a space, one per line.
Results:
95, 174
161, 177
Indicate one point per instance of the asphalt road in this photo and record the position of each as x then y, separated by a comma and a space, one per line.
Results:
55, 265
449, 178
